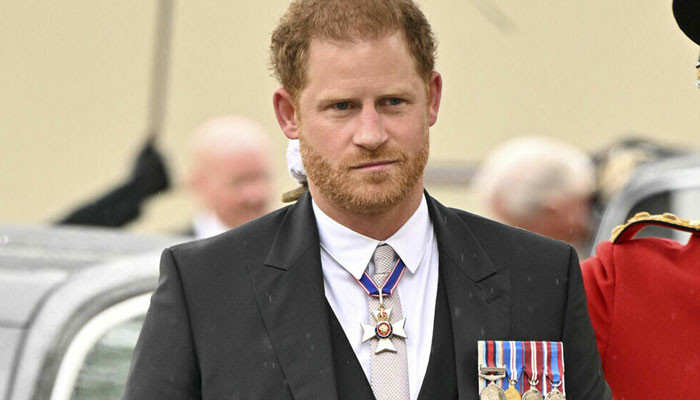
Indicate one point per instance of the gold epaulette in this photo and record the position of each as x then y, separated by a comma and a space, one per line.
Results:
642, 219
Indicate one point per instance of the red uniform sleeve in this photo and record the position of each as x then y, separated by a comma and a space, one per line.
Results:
599, 281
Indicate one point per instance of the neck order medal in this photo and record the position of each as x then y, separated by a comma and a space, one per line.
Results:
383, 330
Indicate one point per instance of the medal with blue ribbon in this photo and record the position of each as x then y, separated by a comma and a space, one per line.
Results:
383, 330
555, 375
513, 357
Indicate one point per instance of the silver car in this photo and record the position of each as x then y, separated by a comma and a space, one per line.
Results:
72, 301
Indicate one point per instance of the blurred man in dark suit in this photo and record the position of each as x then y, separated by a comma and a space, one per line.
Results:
541, 185
231, 174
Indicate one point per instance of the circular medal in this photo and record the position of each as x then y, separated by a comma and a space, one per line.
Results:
383, 329
533, 394
512, 393
555, 394
492, 392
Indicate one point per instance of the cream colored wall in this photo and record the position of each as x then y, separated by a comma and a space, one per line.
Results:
75, 79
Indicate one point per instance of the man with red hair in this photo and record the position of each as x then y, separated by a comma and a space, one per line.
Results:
367, 287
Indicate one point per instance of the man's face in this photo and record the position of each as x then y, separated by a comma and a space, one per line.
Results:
237, 186
364, 117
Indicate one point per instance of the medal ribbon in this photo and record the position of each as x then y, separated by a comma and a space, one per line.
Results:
389, 285
503, 383
545, 365
513, 355
527, 364
494, 358
490, 354
556, 350
482, 361
487, 352
532, 362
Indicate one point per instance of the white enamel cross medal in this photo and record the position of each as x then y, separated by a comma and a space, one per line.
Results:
383, 330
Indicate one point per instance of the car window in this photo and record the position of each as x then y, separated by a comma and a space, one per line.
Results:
96, 363
103, 374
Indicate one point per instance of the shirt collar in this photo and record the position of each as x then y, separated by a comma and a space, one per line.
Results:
353, 251
206, 224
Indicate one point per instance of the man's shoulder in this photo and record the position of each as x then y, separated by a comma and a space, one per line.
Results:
627, 251
510, 248
497, 234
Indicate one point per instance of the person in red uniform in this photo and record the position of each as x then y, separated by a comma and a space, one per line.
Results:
644, 295
644, 303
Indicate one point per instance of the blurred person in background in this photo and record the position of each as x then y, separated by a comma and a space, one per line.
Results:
231, 174
540, 185
230, 177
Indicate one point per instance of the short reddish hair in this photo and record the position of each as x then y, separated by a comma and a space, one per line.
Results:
346, 20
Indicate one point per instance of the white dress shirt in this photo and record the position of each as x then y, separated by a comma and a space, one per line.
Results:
206, 224
346, 254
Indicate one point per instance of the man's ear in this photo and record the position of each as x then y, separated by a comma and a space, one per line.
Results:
286, 113
434, 96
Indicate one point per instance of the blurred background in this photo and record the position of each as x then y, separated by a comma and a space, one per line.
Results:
77, 79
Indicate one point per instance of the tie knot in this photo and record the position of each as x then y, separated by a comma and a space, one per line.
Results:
384, 259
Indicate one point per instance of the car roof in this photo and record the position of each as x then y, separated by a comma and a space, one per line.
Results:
53, 275
34, 260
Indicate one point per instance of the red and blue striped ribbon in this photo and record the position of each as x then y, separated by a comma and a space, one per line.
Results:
389, 285
494, 358
556, 350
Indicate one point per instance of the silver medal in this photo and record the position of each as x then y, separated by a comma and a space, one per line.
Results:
533, 394
555, 394
492, 391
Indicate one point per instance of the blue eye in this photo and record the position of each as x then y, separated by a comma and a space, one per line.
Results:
343, 105
395, 101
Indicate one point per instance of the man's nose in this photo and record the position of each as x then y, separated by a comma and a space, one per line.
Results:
370, 133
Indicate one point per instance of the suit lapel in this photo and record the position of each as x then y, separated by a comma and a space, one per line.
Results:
290, 295
478, 295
